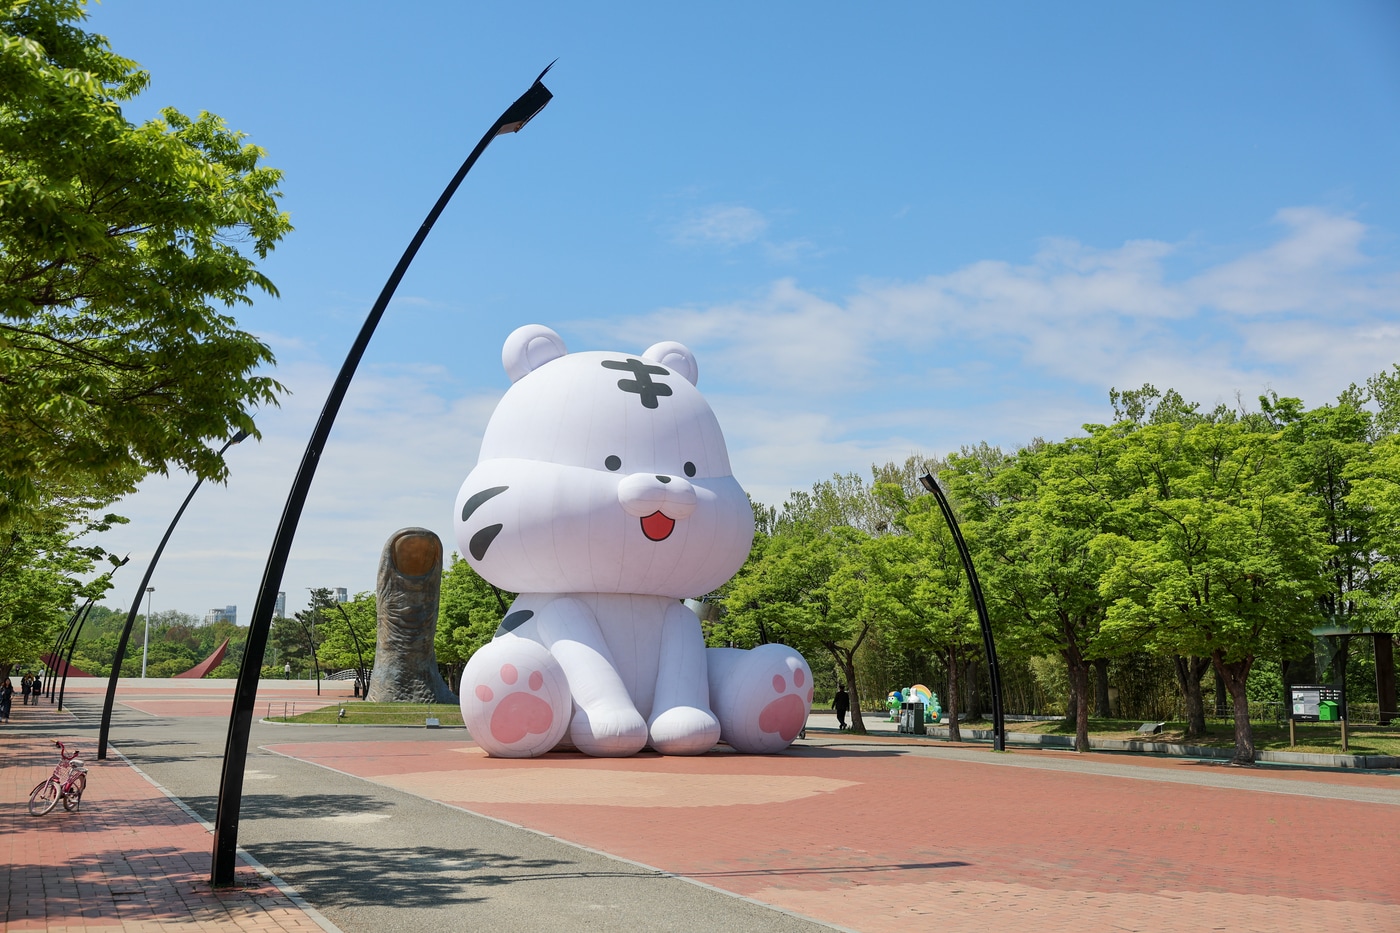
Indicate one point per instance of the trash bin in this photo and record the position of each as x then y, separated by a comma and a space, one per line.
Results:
1327, 711
911, 718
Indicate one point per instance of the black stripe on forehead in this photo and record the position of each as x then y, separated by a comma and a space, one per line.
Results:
641, 384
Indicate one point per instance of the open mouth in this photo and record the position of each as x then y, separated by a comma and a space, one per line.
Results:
657, 527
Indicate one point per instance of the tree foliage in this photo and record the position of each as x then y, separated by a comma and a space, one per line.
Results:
121, 247
469, 612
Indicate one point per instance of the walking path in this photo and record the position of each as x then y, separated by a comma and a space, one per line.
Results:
877, 833
129, 859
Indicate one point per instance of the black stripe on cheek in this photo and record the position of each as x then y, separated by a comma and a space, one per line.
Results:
482, 540
513, 621
475, 501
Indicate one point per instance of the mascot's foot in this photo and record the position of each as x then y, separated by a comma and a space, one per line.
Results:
762, 697
515, 699
608, 733
684, 730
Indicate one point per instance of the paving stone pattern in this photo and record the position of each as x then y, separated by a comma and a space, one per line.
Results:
130, 859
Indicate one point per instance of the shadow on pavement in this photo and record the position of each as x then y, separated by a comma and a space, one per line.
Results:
292, 806
421, 876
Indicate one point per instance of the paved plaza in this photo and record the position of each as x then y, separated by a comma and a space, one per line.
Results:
386, 829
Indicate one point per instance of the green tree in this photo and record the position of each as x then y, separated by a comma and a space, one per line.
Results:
1375, 489
1031, 520
347, 633
41, 563
470, 611
793, 590
1222, 554
917, 585
120, 244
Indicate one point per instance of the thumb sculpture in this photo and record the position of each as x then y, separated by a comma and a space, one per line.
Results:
405, 662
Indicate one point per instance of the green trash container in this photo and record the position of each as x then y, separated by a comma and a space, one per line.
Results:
1327, 711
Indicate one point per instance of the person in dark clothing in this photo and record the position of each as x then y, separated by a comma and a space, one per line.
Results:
842, 705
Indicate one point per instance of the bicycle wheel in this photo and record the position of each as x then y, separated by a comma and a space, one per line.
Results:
43, 798
75, 792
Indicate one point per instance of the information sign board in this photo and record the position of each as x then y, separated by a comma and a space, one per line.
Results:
1306, 702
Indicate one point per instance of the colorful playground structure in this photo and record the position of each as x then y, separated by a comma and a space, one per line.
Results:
915, 694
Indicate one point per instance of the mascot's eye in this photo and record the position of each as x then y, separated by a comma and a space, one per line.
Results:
613, 463
689, 468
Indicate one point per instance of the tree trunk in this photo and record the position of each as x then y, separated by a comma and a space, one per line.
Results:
1079, 691
1220, 698
847, 662
1189, 671
1385, 677
974, 688
1235, 674
954, 733
1101, 689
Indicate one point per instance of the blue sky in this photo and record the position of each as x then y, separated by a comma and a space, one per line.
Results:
884, 229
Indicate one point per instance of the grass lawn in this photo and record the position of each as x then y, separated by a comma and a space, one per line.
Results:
358, 713
1313, 737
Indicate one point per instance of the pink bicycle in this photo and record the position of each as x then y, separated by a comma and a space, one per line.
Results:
67, 783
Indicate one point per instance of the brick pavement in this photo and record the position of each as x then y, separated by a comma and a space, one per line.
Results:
884, 838
129, 860
873, 835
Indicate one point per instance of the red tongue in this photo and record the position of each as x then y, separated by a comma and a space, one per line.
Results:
657, 527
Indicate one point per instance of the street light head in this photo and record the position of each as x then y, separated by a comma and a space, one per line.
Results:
238, 438
150, 589
526, 105
927, 482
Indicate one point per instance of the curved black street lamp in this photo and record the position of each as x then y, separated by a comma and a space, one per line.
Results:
136, 608
993, 668
361, 676
245, 694
73, 645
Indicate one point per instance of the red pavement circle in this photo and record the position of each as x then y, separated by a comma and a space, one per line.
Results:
881, 839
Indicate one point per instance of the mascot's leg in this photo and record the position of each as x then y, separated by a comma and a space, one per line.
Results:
606, 722
515, 698
762, 696
681, 721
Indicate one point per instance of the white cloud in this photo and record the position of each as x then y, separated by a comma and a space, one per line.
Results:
807, 385
396, 457
723, 225
1089, 316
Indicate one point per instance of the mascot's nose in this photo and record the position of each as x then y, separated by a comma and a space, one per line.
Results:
642, 494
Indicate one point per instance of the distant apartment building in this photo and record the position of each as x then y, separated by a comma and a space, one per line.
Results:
280, 610
226, 614
340, 595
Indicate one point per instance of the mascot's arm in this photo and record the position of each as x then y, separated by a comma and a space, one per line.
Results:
681, 678
570, 632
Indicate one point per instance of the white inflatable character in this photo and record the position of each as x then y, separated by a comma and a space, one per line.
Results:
603, 497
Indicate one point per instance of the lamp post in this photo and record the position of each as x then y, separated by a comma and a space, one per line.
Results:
245, 693
120, 656
146, 639
361, 681
993, 669
73, 645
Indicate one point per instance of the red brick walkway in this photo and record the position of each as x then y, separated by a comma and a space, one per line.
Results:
880, 839
129, 860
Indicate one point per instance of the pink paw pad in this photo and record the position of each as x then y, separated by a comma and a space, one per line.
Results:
519, 713
788, 713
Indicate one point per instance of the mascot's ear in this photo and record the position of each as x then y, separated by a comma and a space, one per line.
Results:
530, 347
674, 356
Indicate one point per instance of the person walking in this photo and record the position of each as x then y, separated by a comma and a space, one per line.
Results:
287, 671
842, 705
7, 696
26, 684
